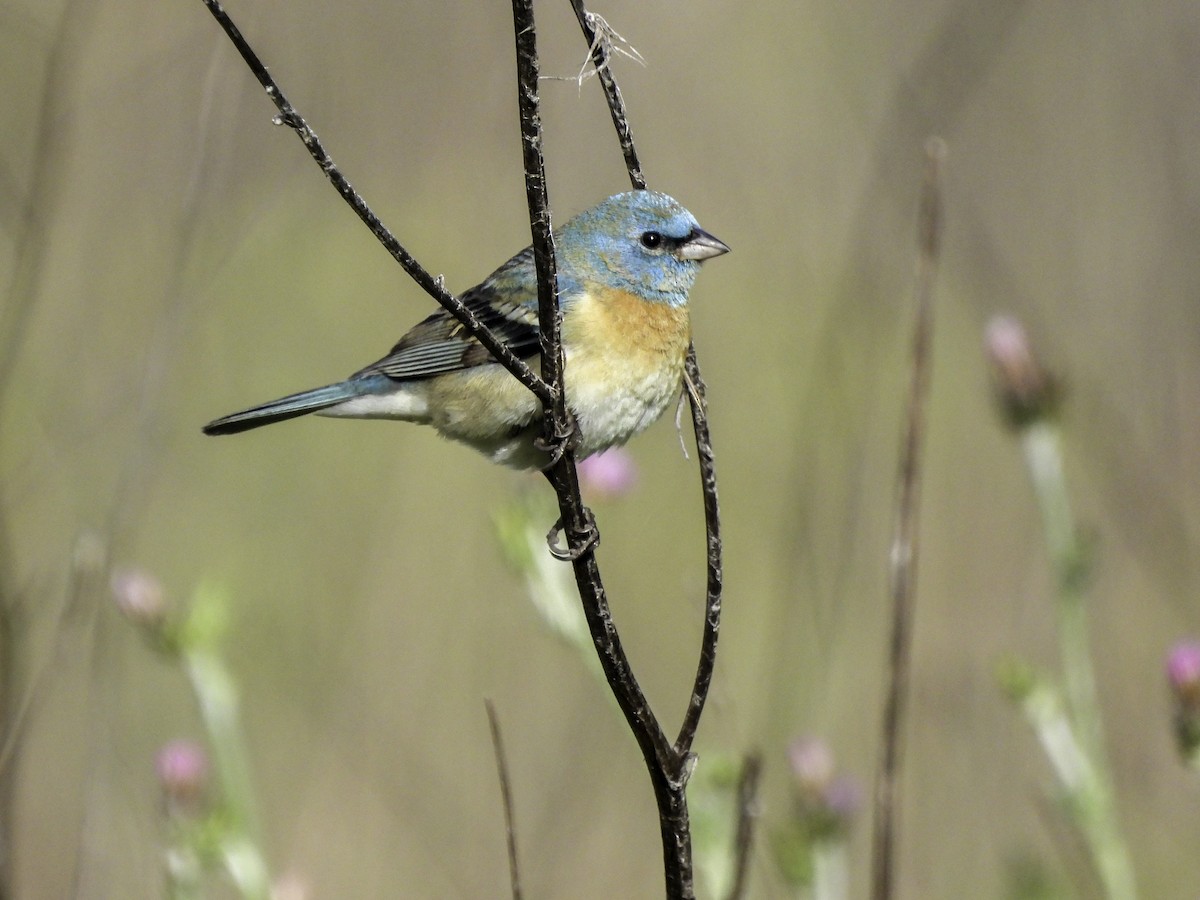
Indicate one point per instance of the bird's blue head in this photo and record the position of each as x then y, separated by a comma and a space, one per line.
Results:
642, 241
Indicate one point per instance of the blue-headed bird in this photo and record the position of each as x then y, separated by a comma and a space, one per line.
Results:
625, 268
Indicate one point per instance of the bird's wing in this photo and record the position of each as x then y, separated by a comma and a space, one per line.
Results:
440, 344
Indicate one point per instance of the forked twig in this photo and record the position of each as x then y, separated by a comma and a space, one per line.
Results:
669, 765
903, 561
694, 390
668, 770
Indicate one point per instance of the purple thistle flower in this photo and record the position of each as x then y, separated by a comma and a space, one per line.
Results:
1183, 668
608, 475
182, 767
826, 803
1183, 677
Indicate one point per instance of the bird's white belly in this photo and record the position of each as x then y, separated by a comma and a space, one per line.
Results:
611, 411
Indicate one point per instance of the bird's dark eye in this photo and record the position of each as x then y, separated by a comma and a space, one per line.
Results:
651, 239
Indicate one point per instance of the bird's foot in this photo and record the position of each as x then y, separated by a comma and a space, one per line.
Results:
588, 538
558, 443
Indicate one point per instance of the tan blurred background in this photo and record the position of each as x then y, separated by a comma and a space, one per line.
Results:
168, 255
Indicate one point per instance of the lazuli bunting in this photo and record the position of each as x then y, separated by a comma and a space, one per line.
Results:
625, 267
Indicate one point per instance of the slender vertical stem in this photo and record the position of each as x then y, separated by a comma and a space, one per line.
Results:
830, 870
616, 105
216, 695
712, 520
668, 771
1043, 456
29, 255
1092, 795
747, 812
697, 402
510, 827
904, 545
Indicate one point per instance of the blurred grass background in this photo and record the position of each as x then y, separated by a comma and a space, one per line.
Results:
169, 256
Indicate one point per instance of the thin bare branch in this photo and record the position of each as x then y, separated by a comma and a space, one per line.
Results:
712, 520
594, 29
510, 827
432, 285
668, 770
597, 32
903, 561
668, 766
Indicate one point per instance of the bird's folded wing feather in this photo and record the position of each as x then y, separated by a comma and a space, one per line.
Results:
441, 344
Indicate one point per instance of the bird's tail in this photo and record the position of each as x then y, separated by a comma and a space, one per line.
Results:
288, 407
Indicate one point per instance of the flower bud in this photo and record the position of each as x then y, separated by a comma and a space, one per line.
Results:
1025, 389
139, 595
1183, 678
182, 767
1183, 669
826, 803
843, 799
812, 764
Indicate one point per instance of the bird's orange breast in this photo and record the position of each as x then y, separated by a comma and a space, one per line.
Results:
615, 325
624, 363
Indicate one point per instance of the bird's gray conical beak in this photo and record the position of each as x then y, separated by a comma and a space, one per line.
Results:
701, 245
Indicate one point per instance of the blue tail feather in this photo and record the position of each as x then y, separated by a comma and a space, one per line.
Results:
288, 407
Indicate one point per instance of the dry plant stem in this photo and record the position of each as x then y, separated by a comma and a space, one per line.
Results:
18, 690
747, 812
600, 59
712, 520
698, 405
668, 769
510, 827
432, 286
904, 545
696, 401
